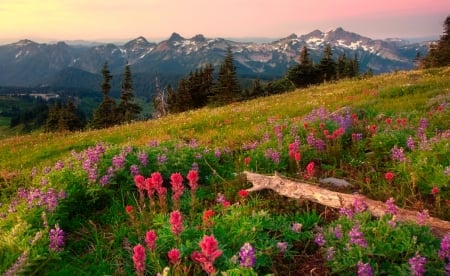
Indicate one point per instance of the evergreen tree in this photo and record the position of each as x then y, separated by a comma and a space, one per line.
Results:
127, 110
104, 116
439, 53
327, 65
52, 122
304, 73
227, 89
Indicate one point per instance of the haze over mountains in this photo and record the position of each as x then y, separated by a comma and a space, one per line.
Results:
29, 64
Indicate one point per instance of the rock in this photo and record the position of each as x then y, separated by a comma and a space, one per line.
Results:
340, 183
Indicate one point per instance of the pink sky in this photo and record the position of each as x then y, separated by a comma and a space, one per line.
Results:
44, 20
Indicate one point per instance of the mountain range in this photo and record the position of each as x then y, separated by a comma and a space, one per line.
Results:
30, 64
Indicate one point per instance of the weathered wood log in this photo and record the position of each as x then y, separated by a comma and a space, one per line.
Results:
314, 193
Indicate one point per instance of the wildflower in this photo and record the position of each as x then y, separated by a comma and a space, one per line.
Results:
296, 227
410, 143
389, 176
139, 181
217, 153
161, 158
309, 170
192, 177
356, 137
176, 180
422, 217
174, 256
247, 160
282, 246
143, 159
320, 239
392, 222
348, 212
209, 252
359, 205
134, 169
330, 253
207, 215
243, 193
388, 121
247, 255
139, 259
356, 237
417, 265
56, 237
59, 165
176, 222
397, 154
444, 251
129, 209
435, 191
391, 208
150, 239
364, 269
338, 231
118, 161
220, 198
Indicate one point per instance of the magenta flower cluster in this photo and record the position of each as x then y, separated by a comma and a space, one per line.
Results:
56, 237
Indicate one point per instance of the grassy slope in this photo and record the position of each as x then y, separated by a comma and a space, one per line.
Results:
232, 125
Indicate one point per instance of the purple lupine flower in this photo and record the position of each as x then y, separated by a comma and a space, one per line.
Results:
217, 153
273, 155
134, 169
47, 170
330, 253
56, 237
198, 156
44, 181
356, 137
62, 194
59, 165
193, 143
320, 239
338, 231
344, 121
423, 125
397, 154
92, 174
348, 212
153, 143
143, 158
444, 251
104, 180
282, 246
359, 205
447, 170
422, 217
296, 227
247, 255
410, 143
266, 137
417, 265
118, 161
161, 158
364, 269
391, 208
357, 237
250, 146
50, 199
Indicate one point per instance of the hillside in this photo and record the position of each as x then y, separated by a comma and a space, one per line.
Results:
169, 194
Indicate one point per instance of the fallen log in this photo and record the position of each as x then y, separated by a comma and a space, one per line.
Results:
314, 193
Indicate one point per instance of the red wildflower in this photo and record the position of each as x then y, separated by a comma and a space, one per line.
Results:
139, 259
176, 222
157, 180
192, 177
207, 215
309, 170
139, 181
247, 160
226, 203
150, 239
209, 253
435, 191
297, 156
389, 176
243, 193
388, 121
174, 256
305, 125
176, 180
128, 209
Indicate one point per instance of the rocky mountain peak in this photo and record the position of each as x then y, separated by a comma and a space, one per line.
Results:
175, 37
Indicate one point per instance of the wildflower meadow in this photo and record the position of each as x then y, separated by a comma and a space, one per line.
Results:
169, 197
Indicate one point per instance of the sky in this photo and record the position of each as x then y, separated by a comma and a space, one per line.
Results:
121, 20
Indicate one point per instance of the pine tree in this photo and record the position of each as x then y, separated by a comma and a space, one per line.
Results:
127, 110
327, 65
227, 87
439, 53
304, 73
104, 116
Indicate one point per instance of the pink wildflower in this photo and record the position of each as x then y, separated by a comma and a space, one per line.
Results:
176, 222
435, 191
150, 239
176, 180
192, 177
139, 181
389, 176
139, 259
209, 253
174, 256
243, 193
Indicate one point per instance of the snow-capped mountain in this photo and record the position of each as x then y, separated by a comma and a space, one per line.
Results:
27, 63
